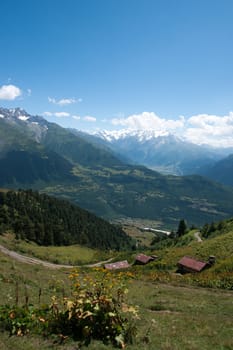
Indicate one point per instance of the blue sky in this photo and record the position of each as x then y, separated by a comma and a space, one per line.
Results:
109, 63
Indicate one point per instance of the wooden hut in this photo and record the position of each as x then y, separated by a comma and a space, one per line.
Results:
117, 265
188, 264
142, 259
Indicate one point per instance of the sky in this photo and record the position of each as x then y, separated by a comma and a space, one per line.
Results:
111, 64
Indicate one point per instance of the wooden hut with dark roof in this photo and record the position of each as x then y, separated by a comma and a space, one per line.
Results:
117, 265
188, 264
142, 259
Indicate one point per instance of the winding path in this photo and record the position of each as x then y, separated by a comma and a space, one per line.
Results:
197, 236
35, 261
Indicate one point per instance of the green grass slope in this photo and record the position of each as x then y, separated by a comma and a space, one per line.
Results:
165, 311
221, 246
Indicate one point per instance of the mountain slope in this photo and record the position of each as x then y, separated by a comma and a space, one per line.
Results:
34, 150
24, 167
47, 221
76, 149
221, 171
24, 161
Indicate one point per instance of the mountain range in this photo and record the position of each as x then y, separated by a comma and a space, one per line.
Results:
165, 153
35, 153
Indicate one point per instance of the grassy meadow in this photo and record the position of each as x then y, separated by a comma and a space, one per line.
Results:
189, 312
68, 255
171, 315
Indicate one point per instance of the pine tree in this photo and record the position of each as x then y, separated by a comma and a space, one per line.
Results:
182, 228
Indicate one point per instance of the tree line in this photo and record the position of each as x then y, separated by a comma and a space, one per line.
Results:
50, 221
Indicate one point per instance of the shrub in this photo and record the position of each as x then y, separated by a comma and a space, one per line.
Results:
96, 309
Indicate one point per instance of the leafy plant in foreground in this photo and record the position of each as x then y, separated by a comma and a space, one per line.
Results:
22, 320
95, 310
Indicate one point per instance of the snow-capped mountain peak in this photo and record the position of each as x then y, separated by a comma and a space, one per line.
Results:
14, 113
139, 135
18, 116
160, 150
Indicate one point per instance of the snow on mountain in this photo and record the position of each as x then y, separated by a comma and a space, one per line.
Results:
163, 152
23, 118
18, 116
141, 135
14, 114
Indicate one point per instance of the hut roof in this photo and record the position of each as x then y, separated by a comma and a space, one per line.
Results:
144, 259
117, 265
192, 264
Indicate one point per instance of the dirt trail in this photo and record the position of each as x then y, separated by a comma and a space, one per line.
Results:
35, 261
197, 236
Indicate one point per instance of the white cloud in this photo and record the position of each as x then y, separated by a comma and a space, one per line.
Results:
213, 130
90, 119
210, 129
56, 114
64, 101
61, 114
76, 117
9, 92
147, 121
29, 92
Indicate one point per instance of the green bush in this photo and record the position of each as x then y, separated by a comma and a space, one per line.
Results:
95, 310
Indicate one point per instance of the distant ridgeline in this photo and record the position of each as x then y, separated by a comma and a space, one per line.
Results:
49, 221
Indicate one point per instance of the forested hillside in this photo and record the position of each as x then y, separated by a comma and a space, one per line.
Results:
49, 221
